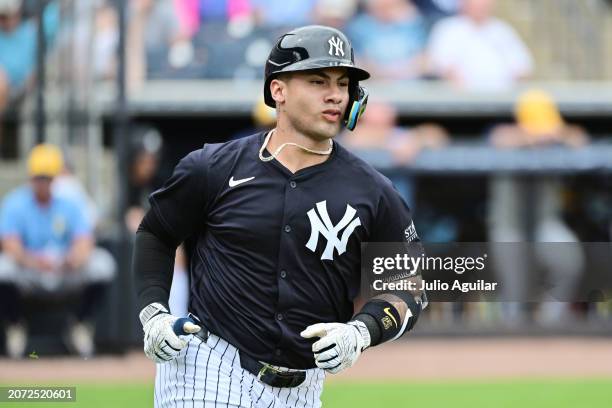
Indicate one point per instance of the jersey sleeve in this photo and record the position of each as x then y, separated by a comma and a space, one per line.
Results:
394, 225
181, 204
393, 221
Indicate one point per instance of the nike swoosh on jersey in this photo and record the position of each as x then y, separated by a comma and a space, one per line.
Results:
388, 313
234, 183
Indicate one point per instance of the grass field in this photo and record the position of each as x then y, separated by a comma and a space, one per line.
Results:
456, 394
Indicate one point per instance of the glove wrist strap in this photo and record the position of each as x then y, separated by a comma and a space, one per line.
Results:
150, 311
363, 332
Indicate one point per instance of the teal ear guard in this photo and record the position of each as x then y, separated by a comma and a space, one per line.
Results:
357, 107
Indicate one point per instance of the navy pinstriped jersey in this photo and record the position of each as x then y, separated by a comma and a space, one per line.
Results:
276, 251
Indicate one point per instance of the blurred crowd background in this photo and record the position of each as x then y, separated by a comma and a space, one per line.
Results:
491, 117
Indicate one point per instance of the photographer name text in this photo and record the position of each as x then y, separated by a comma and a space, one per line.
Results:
435, 285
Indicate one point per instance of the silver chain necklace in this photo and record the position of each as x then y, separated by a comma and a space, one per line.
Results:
279, 148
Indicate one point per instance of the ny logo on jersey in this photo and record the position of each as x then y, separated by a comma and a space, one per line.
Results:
336, 46
321, 224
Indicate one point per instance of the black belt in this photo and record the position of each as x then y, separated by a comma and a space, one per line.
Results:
270, 375
265, 373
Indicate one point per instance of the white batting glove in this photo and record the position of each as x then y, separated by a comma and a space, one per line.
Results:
340, 344
161, 344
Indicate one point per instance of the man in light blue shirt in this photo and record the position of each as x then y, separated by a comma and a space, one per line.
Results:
46, 229
281, 13
390, 38
18, 43
48, 248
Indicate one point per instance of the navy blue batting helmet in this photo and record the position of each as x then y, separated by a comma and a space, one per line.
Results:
317, 47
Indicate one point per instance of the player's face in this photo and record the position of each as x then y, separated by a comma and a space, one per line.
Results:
315, 102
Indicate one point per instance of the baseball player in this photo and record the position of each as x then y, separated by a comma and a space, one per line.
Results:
278, 219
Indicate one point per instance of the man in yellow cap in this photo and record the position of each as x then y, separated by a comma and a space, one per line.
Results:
538, 123
48, 248
513, 199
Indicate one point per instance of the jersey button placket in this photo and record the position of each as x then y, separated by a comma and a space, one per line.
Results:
286, 247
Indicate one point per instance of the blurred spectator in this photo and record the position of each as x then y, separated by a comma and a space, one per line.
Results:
434, 10
378, 131
282, 13
389, 39
146, 144
188, 14
156, 41
67, 186
334, 13
105, 41
220, 18
477, 51
18, 47
224, 10
538, 123
48, 251
234, 47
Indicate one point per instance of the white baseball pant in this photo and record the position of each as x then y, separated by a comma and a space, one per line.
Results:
208, 374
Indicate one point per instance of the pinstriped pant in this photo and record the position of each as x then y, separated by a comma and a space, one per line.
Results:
209, 375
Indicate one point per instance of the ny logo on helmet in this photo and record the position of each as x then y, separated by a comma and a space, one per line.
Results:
336, 46
321, 224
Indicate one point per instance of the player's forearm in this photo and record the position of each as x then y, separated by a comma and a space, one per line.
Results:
153, 264
398, 303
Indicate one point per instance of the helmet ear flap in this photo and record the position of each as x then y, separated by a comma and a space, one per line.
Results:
356, 108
